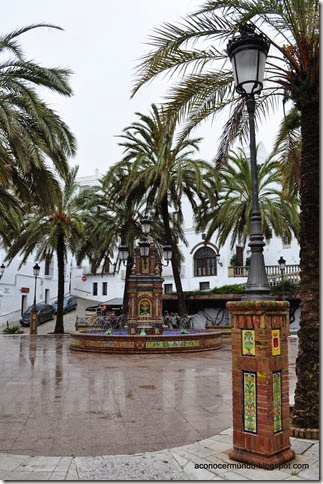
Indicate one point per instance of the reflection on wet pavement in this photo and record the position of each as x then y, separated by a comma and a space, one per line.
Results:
56, 402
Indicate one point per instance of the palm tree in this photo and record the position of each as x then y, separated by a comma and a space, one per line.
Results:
109, 220
292, 72
288, 147
47, 232
30, 132
231, 214
164, 171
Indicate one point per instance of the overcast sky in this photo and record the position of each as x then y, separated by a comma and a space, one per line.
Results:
101, 43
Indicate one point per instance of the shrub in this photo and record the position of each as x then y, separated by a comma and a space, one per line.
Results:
236, 261
290, 288
13, 330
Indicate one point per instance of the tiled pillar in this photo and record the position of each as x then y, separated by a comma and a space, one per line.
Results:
33, 322
260, 387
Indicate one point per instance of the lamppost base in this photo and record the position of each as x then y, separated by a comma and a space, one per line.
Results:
33, 322
261, 460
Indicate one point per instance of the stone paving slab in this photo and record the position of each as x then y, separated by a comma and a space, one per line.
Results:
179, 463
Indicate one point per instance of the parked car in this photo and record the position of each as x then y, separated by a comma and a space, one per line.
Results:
69, 304
45, 313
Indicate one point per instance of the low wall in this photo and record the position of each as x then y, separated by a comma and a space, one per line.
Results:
145, 344
224, 330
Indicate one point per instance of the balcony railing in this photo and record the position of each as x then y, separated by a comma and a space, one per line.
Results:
291, 274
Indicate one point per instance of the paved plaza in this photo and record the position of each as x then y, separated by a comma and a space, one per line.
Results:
70, 415
205, 460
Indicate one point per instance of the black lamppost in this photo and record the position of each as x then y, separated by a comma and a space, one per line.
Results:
33, 312
2, 269
144, 246
282, 264
248, 53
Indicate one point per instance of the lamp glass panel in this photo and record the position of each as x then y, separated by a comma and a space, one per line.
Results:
123, 253
146, 226
36, 270
144, 249
167, 253
247, 70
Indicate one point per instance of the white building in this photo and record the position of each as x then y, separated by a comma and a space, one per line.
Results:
17, 286
199, 270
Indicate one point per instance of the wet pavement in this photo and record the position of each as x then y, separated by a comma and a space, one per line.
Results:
55, 402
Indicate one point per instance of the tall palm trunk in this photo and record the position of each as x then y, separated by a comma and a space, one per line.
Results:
126, 285
176, 257
59, 327
306, 414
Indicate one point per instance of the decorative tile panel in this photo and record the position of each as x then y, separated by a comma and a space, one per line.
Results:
109, 344
75, 342
249, 402
277, 397
275, 342
172, 344
248, 342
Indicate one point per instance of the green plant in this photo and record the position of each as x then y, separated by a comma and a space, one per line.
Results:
236, 261
13, 330
227, 289
289, 288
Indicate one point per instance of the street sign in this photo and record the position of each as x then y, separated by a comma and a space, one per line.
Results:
84, 278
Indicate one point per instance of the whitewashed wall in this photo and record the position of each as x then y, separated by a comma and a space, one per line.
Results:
14, 279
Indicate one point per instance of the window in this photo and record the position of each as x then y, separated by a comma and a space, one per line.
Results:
104, 288
95, 289
204, 286
204, 262
168, 288
239, 254
106, 267
49, 265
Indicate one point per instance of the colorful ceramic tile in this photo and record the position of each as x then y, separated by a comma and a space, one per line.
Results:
109, 344
249, 402
277, 397
248, 342
144, 307
172, 344
75, 342
275, 342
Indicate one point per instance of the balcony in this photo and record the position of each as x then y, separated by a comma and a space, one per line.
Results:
292, 273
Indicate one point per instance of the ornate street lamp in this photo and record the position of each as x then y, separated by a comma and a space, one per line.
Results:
145, 226
2, 269
167, 255
144, 248
248, 53
168, 252
123, 253
33, 312
282, 264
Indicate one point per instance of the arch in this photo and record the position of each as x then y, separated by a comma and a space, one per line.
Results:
203, 244
205, 262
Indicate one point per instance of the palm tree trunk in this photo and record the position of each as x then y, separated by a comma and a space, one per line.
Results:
306, 412
126, 285
176, 257
59, 327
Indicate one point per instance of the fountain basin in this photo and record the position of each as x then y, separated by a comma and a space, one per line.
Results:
168, 342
